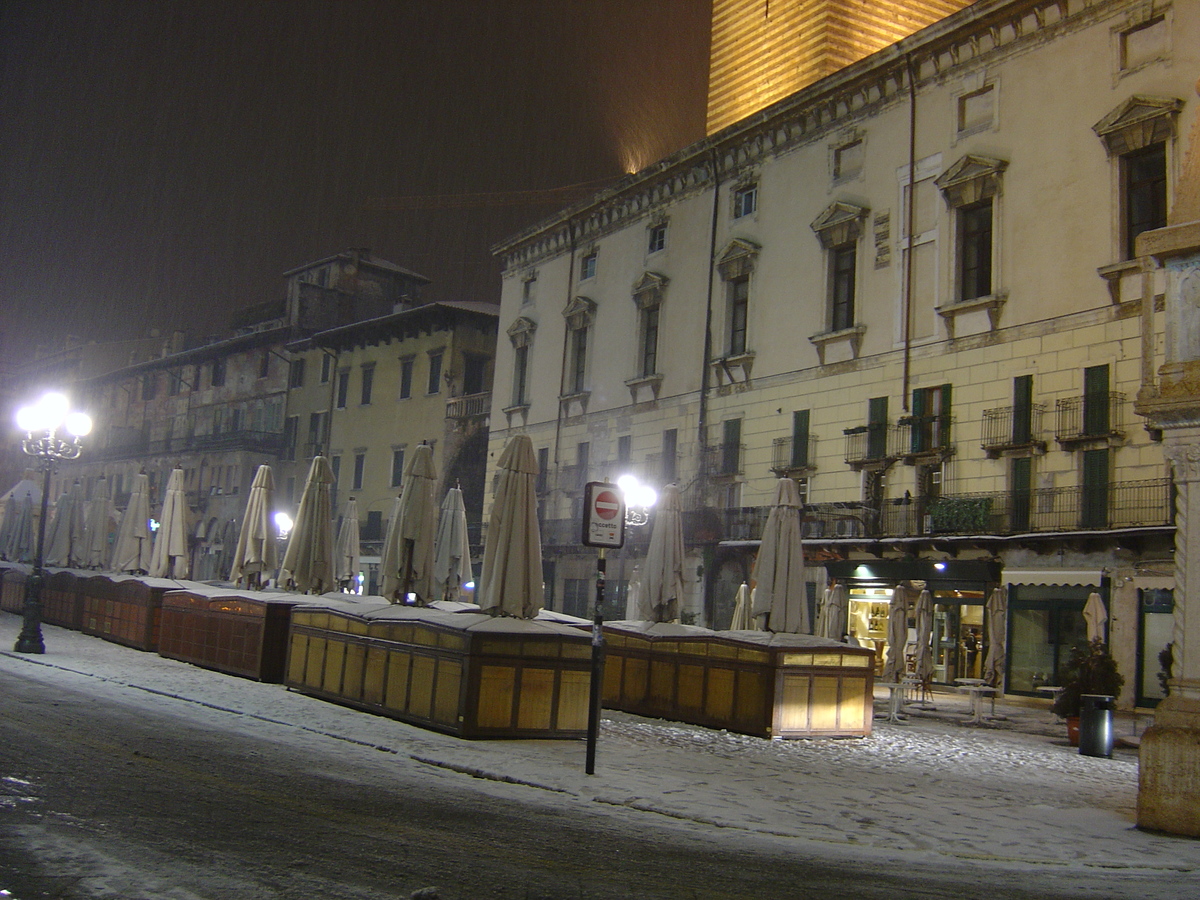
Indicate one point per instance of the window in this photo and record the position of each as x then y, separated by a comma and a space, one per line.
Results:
1020, 484
1095, 401
474, 373
583, 453
977, 109
291, 426
1022, 425
397, 466
930, 419
174, 382
848, 161
520, 376
335, 464
543, 476
975, 250
149, 385
316, 434
970, 187
587, 266
624, 448
670, 450
1144, 43
435, 373
877, 427
343, 388
529, 288
657, 238
368, 381
1144, 192
739, 314
745, 201
800, 420
296, 373
577, 374
373, 530
326, 368
648, 353
360, 464
218, 373
842, 261
264, 363
731, 447
406, 376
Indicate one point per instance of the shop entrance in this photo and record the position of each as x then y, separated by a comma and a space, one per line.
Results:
1045, 622
959, 639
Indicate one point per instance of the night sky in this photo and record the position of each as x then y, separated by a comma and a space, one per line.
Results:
163, 163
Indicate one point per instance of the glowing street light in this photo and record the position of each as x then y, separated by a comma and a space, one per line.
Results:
284, 523
639, 498
53, 432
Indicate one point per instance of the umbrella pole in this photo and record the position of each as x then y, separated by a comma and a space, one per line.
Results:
597, 668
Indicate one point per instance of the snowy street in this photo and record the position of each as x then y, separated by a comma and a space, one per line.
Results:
931, 805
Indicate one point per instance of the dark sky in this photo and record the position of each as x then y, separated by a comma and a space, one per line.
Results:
162, 162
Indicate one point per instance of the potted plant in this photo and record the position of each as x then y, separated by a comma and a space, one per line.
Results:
1090, 670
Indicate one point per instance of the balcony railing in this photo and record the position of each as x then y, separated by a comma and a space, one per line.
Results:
1090, 417
723, 460
924, 436
787, 457
469, 406
130, 443
873, 443
1005, 428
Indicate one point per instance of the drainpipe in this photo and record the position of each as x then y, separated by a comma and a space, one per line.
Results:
705, 386
909, 220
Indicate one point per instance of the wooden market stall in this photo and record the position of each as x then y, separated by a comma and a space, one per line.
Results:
464, 673
752, 682
126, 609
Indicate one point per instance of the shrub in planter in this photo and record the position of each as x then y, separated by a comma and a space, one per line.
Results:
1090, 670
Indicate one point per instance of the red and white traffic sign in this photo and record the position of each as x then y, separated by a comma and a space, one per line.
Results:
603, 515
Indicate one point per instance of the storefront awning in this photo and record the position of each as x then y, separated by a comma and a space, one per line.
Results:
1049, 577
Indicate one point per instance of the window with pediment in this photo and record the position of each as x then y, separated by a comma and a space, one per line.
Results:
520, 334
839, 229
648, 297
970, 188
580, 315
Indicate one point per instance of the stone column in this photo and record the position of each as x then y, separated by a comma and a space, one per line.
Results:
1169, 789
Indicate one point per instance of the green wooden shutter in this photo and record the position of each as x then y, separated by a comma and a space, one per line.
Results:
1094, 505
877, 414
800, 438
1019, 493
1022, 422
1095, 400
731, 447
919, 427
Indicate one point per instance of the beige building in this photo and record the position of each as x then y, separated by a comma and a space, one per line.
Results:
912, 287
366, 394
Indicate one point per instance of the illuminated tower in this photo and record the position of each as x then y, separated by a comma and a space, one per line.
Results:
764, 50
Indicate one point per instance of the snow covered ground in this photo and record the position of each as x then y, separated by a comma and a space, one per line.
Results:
934, 787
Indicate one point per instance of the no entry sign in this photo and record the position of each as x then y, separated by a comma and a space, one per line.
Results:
603, 515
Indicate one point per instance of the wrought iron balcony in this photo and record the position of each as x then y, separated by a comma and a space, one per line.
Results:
1012, 428
923, 436
1091, 417
876, 442
723, 460
790, 458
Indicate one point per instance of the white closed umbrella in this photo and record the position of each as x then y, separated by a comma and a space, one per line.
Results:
98, 520
407, 563
1094, 616
997, 623
893, 669
511, 581
6, 527
835, 610
924, 616
779, 594
308, 561
452, 549
257, 552
64, 540
169, 558
742, 619
661, 589
18, 538
132, 550
345, 563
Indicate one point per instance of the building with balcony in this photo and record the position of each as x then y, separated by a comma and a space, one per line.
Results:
911, 286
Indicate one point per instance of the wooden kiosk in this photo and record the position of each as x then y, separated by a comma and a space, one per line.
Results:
464, 673
752, 682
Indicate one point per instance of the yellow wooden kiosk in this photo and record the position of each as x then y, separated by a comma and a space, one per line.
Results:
752, 682
464, 673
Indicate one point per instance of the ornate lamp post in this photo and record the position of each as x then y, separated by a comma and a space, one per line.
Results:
43, 424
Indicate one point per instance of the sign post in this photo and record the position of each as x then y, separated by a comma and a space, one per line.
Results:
603, 527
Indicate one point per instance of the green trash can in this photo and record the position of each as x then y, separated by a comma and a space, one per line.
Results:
1096, 725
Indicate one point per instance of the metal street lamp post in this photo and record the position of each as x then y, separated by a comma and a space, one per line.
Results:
42, 423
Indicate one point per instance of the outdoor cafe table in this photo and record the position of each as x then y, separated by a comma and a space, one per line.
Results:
895, 700
977, 687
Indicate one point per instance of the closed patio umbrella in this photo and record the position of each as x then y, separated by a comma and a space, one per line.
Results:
452, 549
742, 619
257, 552
780, 596
98, 521
661, 589
132, 550
511, 581
834, 613
407, 564
924, 616
346, 562
18, 538
64, 540
997, 623
308, 560
1094, 616
169, 558
894, 668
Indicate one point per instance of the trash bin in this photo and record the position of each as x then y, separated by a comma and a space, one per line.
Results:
1096, 725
